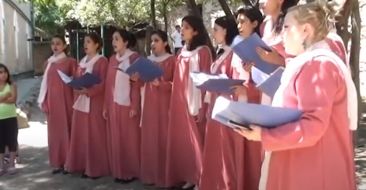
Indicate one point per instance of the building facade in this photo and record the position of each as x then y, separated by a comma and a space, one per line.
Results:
15, 36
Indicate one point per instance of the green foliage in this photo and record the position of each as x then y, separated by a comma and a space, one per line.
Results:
50, 15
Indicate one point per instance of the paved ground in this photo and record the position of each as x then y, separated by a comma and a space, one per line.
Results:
34, 172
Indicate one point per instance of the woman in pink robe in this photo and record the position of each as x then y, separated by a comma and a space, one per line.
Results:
316, 151
187, 111
122, 110
88, 145
56, 99
275, 11
224, 161
154, 123
243, 158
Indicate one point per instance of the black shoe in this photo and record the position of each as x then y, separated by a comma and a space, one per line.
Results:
84, 176
64, 172
188, 188
126, 181
148, 184
94, 178
116, 180
57, 170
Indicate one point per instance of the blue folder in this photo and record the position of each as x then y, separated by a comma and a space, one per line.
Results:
147, 70
245, 48
226, 111
270, 85
85, 81
214, 83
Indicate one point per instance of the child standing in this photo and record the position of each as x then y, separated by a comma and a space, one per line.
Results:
8, 120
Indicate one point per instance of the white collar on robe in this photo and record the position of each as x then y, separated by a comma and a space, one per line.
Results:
88, 65
295, 65
82, 103
216, 64
43, 89
125, 55
186, 53
193, 94
122, 86
159, 59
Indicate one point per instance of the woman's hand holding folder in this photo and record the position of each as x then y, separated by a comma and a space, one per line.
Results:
239, 90
135, 77
255, 134
270, 56
156, 82
82, 91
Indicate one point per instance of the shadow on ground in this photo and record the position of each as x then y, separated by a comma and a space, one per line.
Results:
34, 174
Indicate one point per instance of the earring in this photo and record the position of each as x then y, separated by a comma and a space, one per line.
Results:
304, 45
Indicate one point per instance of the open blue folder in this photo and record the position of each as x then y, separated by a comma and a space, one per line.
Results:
245, 48
270, 85
147, 70
214, 83
226, 111
86, 81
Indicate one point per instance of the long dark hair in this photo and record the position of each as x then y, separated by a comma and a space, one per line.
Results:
284, 7
253, 14
8, 80
197, 24
229, 24
96, 39
164, 36
127, 37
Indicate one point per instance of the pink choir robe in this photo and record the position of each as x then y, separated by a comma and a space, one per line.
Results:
185, 144
212, 177
154, 126
88, 145
58, 103
316, 151
123, 132
336, 45
242, 158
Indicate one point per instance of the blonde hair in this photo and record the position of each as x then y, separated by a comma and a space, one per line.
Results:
320, 14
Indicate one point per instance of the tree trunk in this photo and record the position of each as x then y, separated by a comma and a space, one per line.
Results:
355, 57
149, 30
342, 22
193, 8
251, 2
165, 5
153, 14
226, 8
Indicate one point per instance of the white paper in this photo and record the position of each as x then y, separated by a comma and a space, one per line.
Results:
64, 77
